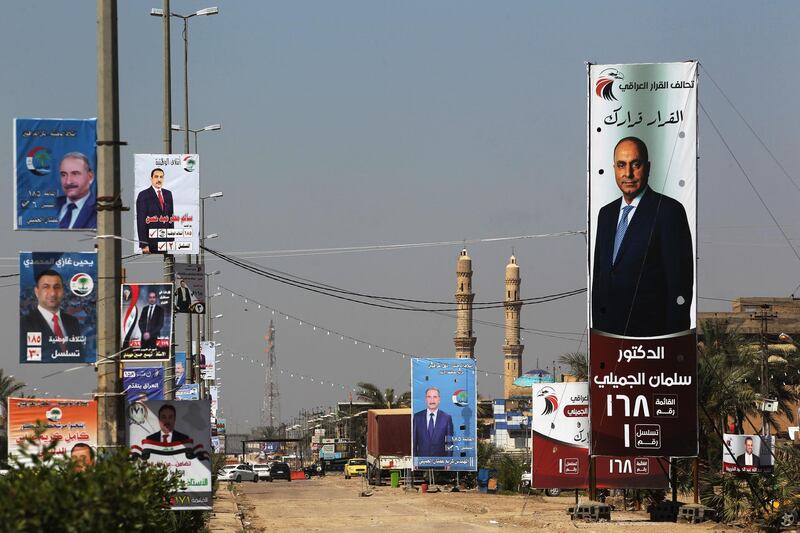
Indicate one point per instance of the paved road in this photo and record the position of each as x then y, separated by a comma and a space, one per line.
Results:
332, 503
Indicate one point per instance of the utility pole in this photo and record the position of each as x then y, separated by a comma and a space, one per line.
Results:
169, 260
110, 413
764, 316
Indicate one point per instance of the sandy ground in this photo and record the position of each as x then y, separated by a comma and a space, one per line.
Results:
332, 503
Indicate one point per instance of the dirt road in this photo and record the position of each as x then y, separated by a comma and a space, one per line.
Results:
332, 503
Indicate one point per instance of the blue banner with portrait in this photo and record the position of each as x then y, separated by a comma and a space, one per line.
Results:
188, 391
55, 161
143, 383
180, 370
57, 307
444, 422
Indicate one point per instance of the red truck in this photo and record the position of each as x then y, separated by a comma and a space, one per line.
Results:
388, 443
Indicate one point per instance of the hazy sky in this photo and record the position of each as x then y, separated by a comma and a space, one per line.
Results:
373, 122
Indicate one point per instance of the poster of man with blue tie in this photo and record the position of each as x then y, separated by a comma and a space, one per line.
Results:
167, 207
642, 213
58, 307
146, 321
54, 174
444, 421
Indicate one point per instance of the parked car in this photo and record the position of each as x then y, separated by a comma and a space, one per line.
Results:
526, 483
241, 472
314, 469
355, 467
263, 472
788, 511
280, 471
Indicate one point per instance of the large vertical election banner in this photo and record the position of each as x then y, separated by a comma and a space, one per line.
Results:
73, 423
178, 435
560, 427
642, 213
208, 355
167, 209
143, 383
146, 321
57, 307
54, 166
444, 422
190, 288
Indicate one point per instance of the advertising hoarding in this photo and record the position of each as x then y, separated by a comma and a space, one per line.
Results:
146, 321
54, 164
642, 213
190, 288
73, 423
444, 423
560, 427
175, 434
58, 307
167, 209
143, 383
750, 454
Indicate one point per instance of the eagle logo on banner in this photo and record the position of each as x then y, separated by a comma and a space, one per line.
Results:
604, 87
550, 400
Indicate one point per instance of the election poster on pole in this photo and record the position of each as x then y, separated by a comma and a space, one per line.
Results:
146, 321
57, 307
444, 420
55, 160
177, 435
167, 208
642, 213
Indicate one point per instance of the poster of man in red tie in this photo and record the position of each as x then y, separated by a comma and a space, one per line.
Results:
146, 321
167, 188
57, 307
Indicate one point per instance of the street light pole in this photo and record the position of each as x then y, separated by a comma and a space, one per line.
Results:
169, 260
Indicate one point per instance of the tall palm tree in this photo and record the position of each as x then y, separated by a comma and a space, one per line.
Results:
385, 399
8, 386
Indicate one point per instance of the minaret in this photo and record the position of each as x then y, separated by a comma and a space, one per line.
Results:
465, 342
512, 347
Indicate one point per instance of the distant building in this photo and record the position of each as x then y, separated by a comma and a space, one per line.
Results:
744, 310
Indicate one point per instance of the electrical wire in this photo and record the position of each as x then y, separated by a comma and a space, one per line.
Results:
334, 292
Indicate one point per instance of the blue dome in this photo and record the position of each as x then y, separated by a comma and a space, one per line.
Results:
537, 375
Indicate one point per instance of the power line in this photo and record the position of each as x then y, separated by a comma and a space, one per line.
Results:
752, 186
334, 292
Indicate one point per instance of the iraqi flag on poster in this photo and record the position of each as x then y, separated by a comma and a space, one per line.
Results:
130, 315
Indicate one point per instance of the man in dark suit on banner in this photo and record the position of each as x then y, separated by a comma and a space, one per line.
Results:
154, 209
432, 426
183, 298
151, 321
166, 422
59, 332
77, 209
643, 268
748, 458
